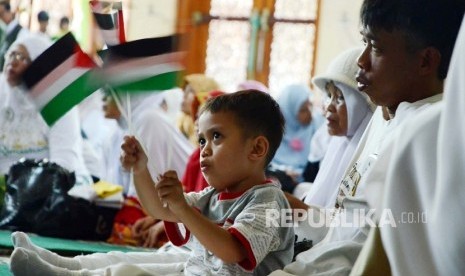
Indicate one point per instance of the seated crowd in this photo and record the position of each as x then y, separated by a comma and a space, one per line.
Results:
241, 183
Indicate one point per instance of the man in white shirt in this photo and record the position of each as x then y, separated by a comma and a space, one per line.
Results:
424, 184
402, 68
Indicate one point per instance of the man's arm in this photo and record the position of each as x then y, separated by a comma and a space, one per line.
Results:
295, 202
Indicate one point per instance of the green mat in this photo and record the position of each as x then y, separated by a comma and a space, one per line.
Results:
4, 269
66, 247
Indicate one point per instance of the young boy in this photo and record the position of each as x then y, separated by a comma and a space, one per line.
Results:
226, 223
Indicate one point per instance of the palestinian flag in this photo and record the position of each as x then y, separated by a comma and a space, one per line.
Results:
60, 78
109, 18
150, 64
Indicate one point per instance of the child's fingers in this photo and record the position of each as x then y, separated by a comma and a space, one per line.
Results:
166, 186
136, 227
166, 182
129, 147
130, 144
165, 191
171, 174
127, 160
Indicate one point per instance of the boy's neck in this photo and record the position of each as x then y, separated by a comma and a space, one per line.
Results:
247, 183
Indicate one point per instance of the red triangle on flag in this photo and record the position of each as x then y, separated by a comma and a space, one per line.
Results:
83, 60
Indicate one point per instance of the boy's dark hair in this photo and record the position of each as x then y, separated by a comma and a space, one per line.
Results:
425, 23
6, 5
64, 20
42, 16
256, 112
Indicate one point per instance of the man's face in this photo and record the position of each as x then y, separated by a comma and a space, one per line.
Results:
387, 70
43, 26
3, 11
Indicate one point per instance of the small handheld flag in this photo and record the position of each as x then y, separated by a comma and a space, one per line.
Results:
60, 78
150, 64
109, 18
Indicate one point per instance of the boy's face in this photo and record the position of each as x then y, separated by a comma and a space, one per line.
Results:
110, 109
224, 151
304, 116
387, 70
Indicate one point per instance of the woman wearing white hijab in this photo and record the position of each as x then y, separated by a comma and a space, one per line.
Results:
424, 189
348, 112
23, 132
167, 147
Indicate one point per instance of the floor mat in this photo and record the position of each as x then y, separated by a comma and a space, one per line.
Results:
65, 247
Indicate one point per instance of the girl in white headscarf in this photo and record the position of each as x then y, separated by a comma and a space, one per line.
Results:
165, 144
348, 112
23, 132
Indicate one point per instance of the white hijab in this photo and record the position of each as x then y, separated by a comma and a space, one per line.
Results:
35, 44
319, 144
113, 171
166, 147
425, 182
340, 149
25, 134
173, 100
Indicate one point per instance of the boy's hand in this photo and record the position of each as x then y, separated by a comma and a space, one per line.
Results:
170, 192
148, 231
141, 226
154, 235
133, 156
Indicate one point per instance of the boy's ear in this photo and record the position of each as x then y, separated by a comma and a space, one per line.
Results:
260, 148
430, 60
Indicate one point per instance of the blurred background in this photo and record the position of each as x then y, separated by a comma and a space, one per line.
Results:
276, 42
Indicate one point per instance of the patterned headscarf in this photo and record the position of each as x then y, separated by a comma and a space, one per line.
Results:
202, 85
34, 44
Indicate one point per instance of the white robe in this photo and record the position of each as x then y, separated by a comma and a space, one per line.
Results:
165, 146
424, 186
339, 249
23, 133
322, 193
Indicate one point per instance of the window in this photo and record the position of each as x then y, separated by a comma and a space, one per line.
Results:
272, 42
